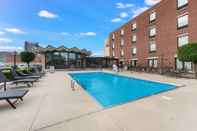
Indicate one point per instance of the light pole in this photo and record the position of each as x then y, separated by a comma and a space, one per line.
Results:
15, 59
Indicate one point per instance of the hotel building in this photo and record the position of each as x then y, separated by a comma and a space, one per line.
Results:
152, 38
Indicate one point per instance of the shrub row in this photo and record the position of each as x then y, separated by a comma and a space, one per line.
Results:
7, 72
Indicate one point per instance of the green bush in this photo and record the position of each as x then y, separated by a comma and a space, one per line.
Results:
7, 74
188, 53
27, 57
25, 70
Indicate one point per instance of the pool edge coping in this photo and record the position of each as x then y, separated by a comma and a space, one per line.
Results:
123, 75
176, 87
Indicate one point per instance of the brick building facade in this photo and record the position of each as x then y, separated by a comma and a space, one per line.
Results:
39, 59
152, 38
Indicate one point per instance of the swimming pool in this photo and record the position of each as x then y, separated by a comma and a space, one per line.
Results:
111, 90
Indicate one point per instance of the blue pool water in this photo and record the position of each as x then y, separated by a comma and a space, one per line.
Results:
110, 90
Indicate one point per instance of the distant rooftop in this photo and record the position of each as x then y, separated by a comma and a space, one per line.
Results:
35, 47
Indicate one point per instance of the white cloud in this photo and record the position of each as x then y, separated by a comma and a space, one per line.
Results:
65, 33
1, 32
14, 31
88, 34
98, 54
47, 14
5, 40
11, 48
116, 20
138, 11
151, 2
124, 15
121, 5
6, 45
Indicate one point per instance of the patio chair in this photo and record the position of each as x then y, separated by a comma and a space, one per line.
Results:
29, 75
16, 76
13, 95
18, 81
37, 72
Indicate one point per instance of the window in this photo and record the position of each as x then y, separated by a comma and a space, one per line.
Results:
181, 3
72, 56
134, 38
134, 26
64, 55
122, 42
152, 32
188, 66
180, 65
113, 46
56, 53
152, 16
122, 52
153, 63
183, 40
134, 51
133, 63
122, 32
113, 36
152, 46
78, 56
113, 53
182, 21
150, 63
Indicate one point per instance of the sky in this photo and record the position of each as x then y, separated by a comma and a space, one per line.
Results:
72, 23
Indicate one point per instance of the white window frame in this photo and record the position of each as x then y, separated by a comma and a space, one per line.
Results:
113, 36
113, 45
152, 46
122, 52
180, 65
122, 32
134, 38
179, 4
152, 16
188, 66
113, 53
153, 63
134, 51
152, 31
181, 37
183, 21
133, 63
134, 26
122, 42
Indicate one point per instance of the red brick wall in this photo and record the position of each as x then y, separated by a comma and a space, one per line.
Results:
193, 20
166, 38
9, 59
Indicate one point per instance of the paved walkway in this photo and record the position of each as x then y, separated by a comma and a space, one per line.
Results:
52, 106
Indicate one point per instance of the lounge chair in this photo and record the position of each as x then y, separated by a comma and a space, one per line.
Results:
19, 81
13, 95
32, 75
18, 76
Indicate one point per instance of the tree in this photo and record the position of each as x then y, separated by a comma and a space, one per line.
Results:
188, 53
27, 57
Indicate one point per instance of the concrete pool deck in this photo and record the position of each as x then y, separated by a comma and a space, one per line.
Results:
51, 105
